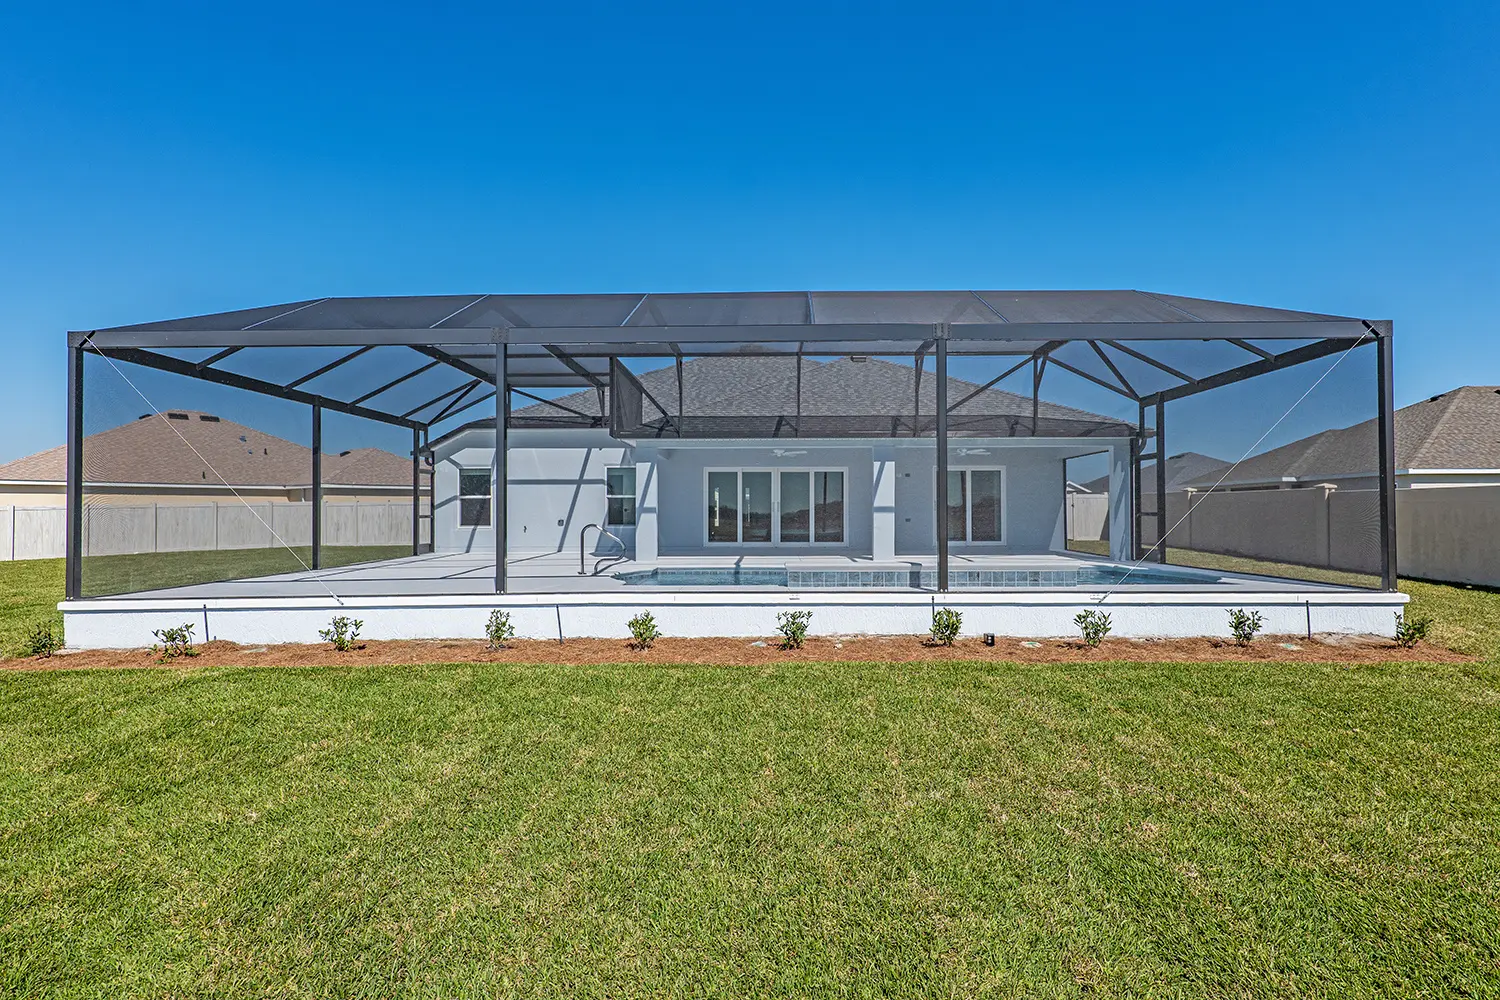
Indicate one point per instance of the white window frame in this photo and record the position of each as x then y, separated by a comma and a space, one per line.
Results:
462, 496
776, 473
633, 496
968, 538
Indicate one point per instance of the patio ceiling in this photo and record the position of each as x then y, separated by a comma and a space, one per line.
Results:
372, 352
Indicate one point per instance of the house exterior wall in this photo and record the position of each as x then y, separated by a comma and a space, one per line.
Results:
556, 485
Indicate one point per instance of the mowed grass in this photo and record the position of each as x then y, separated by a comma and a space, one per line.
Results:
29, 592
813, 829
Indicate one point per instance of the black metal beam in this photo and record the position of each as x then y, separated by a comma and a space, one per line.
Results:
1386, 424
1160, 366
1114, 370
632, 338
1137, 445
1297, 356
416, 491
453, 361
397, 381
1247, 346
456, 401
471, 404
1094, 379
317, 486
328, 367
1029, 359
457, 389
215, 359
73, 570
162, 362
553, 403
499, 487
1161, 481
942, 458
577, 369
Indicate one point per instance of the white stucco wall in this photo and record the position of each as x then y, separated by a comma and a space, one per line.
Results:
684, 523
1034, 479
555, 487
557, 478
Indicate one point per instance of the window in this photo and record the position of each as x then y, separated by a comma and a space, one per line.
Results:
777, 507
474, 498
976, 505
619, 493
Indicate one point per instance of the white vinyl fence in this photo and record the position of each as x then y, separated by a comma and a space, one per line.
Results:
119, 529
1088, 517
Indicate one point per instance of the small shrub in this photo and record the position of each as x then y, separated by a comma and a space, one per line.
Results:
174, 642
1093, 624
1409, 630
42, 641
793, 628
643, 630
499, 629
1243, 625
946, 624
342, 632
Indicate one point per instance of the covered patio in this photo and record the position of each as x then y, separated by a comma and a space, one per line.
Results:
1079, 372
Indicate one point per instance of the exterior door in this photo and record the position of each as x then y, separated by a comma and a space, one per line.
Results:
775, 506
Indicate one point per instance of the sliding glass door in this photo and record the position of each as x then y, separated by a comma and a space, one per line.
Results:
776, 506
976, 505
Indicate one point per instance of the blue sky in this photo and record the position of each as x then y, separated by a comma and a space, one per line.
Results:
163, 160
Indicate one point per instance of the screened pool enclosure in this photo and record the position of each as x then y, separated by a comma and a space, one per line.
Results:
305, 447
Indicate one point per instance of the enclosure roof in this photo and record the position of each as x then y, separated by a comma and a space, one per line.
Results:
693, 320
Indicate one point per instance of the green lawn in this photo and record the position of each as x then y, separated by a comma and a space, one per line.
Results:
29, 592
811, 829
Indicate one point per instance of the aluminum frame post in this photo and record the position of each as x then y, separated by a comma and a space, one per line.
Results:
498, 515
317, 486
940, 332
73, 570
1386, 424
416, 492
1161, 482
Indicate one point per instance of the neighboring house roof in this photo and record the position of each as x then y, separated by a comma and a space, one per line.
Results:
1453, 430
1183, 469
728, 386
151, 450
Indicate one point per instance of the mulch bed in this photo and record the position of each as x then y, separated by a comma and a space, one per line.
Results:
734, 652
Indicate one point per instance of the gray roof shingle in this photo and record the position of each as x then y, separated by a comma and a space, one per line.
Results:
1453, 430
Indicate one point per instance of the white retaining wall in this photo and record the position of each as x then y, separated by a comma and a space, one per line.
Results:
107, 624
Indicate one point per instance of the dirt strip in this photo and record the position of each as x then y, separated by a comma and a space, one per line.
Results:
892, 648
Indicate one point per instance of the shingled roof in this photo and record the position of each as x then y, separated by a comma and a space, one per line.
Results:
1452, 430
151, 450
728, 386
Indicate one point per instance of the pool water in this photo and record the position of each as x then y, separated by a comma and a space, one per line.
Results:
1104, 575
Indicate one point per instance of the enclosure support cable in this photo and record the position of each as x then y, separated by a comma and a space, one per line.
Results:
209, 465
1160, 542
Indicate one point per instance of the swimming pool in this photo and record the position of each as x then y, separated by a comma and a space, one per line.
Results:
1089, 575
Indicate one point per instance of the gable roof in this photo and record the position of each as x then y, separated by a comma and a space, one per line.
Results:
150, 450
729, 386
1452, 430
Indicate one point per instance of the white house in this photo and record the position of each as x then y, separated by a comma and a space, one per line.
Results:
767, 494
